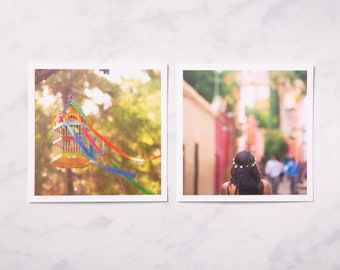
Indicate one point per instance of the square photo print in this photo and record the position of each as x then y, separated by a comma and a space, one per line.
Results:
245, 132
97, 132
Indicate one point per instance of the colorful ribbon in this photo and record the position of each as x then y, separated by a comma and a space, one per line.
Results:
110, 161
129, 176
108, 143
90, 157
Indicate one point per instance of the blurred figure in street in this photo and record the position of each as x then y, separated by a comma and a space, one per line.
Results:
293, 173
274, 170
245, 177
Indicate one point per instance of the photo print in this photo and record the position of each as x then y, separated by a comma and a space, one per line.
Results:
245, 132
97, 132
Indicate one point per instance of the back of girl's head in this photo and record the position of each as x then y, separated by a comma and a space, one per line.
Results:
245, 174
244, 158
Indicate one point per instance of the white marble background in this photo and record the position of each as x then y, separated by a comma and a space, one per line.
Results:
169, 235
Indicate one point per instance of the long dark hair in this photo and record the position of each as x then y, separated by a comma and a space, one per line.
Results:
245, 174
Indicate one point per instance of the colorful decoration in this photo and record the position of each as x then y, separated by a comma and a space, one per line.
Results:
67, 152
74, 147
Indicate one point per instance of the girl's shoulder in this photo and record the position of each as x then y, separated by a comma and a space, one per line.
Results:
228, 188
267, 189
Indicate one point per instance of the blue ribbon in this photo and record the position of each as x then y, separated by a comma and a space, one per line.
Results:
68, 104
90, 157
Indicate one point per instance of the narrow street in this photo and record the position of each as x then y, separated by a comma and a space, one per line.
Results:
284, 187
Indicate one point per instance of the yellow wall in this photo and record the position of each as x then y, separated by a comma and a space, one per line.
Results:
198, 127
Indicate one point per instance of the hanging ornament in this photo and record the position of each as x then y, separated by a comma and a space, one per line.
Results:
74, 147
67, 153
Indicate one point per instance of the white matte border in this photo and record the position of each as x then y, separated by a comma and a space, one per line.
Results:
250, 67
31, 197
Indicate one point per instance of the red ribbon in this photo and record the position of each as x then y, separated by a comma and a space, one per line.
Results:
108, 143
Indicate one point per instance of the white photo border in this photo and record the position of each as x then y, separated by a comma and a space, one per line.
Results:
309, 197
32, 198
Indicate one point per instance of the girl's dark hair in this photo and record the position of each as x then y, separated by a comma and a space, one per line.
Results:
245, 175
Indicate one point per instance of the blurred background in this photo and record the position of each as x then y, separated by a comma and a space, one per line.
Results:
125, 108
226, 111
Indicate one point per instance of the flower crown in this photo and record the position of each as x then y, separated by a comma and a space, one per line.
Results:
235, 165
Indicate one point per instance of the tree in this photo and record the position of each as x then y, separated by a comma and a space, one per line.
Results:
275, 144
130, 119
208, 82
274, 110
262, 117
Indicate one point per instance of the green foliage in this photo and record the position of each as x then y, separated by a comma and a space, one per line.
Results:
262, 117
277, 79
274, 110
275, 144
132, 123
208, 82
280, 77
203, 81
300, 74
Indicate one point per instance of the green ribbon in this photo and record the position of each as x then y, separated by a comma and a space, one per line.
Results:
131, 180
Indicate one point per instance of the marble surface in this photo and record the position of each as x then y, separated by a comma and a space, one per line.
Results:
169, 235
